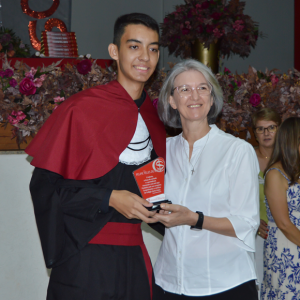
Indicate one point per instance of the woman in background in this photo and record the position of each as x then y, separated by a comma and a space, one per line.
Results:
265, 123
282, 190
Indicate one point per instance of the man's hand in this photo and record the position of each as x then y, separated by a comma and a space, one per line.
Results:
131, 206
173, 215
263, 229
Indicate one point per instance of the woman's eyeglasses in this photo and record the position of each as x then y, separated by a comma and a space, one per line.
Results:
186, 91
271, 129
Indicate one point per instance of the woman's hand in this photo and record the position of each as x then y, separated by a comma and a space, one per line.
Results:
263, 229
173, 215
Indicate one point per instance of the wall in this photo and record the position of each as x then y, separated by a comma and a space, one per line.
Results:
93, 24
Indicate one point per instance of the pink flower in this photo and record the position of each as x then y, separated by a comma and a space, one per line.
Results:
217, 33
226, 71
239, 83
2, 73
20, 116
255, 100
16, 117
31, 73
166, 20
43, 77
84, 67
39, 81
155, 102
59, 99
238, 25
13, 82
27, 87
12, 120
8, 73
274, 79
187, 25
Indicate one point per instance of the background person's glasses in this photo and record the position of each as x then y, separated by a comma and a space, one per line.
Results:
271, 129
186, 91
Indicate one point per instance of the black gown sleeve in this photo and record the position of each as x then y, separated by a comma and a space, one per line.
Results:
69, 213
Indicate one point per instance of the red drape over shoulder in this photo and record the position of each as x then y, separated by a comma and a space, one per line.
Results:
84, 136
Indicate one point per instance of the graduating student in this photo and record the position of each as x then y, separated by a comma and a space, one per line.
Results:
87, 205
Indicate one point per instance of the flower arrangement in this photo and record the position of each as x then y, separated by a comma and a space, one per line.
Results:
209, 21
245, 94
28, 96
12, 45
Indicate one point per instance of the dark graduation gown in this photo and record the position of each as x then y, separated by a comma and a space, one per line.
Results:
70, 212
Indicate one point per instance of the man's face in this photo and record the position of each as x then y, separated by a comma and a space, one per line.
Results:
138, 54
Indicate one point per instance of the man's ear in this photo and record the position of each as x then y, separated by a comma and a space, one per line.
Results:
113, 51
172, 102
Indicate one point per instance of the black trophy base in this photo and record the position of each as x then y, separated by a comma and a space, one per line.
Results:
156, 205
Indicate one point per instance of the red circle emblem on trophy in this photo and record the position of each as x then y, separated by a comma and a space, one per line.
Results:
158, 165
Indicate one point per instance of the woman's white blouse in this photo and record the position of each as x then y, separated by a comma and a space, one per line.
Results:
224, 184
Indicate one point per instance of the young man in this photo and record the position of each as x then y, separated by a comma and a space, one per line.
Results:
87, 205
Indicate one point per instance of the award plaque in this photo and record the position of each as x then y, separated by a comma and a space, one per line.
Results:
150, 179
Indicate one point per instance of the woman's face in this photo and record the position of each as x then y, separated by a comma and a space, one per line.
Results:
192, 106
266, 139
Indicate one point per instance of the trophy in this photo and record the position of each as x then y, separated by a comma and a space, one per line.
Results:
150, 179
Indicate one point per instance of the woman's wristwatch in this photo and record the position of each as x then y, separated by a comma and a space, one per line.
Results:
199, 223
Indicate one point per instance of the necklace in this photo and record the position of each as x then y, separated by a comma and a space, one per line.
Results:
193, 170
262, 154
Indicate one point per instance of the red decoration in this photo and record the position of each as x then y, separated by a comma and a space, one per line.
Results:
39, 14
35, 42
55, 23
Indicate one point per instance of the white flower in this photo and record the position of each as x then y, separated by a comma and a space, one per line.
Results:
80, 56
88, 56
42, 55
37, 53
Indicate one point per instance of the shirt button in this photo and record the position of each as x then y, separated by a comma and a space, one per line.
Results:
99, 211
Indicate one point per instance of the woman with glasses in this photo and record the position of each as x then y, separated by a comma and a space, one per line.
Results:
282, 189
211, 178
265, 123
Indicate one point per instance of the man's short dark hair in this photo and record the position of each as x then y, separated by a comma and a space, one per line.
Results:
133, 18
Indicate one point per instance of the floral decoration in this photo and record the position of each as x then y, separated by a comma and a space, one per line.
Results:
245, 94
12, 45
28, 96
209, 21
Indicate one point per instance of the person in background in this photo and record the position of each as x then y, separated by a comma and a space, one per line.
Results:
265, 123
209, 243
282, 190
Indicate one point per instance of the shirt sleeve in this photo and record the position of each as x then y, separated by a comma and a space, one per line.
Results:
82, 199
244, 195
68, 213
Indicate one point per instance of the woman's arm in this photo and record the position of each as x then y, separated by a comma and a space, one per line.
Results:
275, 190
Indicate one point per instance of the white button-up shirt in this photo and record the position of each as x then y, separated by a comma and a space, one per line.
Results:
224, 184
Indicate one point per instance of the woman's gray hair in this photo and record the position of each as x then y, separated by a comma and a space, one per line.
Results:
170, 116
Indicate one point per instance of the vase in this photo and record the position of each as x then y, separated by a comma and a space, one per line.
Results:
209, 57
